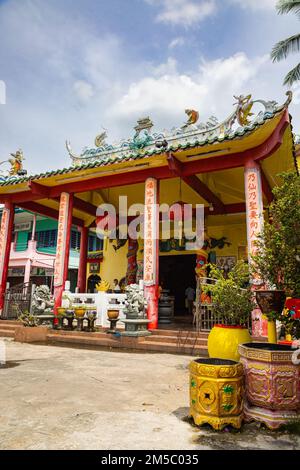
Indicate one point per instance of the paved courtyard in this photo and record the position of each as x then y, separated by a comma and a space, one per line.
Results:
67, 398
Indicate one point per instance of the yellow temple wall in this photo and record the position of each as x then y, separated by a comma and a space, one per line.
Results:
235, 234
114, 264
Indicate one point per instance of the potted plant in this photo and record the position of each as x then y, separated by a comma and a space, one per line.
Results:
272, 378
30, 332
272, 381
277, 258
233, 304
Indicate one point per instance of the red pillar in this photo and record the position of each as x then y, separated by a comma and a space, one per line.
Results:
255, 224
81, 281
133, 247
151, 250
7, 223
63, 247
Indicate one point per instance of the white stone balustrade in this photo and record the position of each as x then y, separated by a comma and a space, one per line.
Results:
101, 302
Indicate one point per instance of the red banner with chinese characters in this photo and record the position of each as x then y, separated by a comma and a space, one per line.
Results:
61, 240
254, 204
151, 233
255, 223
3, 237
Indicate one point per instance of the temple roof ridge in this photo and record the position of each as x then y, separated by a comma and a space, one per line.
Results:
146, 143
192, 131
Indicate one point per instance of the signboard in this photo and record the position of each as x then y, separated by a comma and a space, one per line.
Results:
94, 267
150, 232
24, 227
3, 237
16, 272
61, 239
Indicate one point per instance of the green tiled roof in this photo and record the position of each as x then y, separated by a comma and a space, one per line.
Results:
151, 150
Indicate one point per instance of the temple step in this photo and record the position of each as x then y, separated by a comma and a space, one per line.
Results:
81, 340
198, 350
176, 332
201, 341
7, 328
6, 333
102, 340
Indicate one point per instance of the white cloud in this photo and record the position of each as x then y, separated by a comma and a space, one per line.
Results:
191, 12
256, 4
210, 91
177, 42
169, 68
83, 90
183, 12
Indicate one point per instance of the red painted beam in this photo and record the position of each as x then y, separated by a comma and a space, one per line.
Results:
82, 206
175, 165
266, 187
235, 208
47, 212
205, 165
200, 188
81, 278
39, 190
5, 251
112, 181
195, 183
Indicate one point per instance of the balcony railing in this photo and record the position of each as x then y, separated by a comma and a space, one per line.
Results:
205, 317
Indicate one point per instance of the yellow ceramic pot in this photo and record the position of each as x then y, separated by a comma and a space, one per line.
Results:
223, 341
79, 312
61, 311
216, 392
113, 314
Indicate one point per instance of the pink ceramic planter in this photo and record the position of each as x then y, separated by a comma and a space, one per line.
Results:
272, 384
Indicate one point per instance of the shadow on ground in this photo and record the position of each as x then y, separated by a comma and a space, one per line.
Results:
252, 436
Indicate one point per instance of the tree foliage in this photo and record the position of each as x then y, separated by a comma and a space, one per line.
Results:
231, 296
284, 48
278, 258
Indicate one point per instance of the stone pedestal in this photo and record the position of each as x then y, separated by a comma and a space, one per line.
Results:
136, 327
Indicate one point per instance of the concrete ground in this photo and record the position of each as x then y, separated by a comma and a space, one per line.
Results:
67, 398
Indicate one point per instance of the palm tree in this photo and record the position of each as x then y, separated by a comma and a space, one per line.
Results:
284, 48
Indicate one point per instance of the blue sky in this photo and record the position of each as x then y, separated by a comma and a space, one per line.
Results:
73, 66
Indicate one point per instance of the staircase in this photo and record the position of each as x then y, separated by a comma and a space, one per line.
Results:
7, 328
164, 341
177, 341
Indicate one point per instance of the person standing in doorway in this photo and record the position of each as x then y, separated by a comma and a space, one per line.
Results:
117, 288
189, 298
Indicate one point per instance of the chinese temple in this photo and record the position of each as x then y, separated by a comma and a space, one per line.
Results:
230, 167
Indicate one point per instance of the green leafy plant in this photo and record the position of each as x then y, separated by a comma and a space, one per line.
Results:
28, 319
231, 296
284, 48
277, 261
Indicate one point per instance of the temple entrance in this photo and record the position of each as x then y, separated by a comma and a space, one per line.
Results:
176, 274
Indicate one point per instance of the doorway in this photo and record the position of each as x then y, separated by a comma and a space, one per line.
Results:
176, 273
